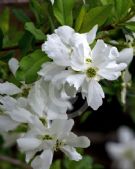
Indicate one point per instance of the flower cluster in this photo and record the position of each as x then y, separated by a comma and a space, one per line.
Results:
38, 111
123, 152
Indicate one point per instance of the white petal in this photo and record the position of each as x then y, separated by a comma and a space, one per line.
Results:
37, 99
13, 65
49, 70
75, 141
91, 35
95, 94
43, 161
7, 124
125, 134
20, 115
65, 33
29, 155
71, 153
115, 150
57, 50
9, 88
28, 144
126, 56
62, 127
76, 80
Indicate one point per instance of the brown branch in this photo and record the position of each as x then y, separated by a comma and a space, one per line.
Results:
14, 162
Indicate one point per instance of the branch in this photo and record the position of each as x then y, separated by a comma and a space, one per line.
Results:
14, 162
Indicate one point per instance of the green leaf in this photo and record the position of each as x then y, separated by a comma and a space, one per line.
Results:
94, 16
1, 39
107, 2
37, 33
130, 25
63, 11
121, 8
4, 20
30, 65
26, 42
39, 10
80, 17
7, 56
20, 15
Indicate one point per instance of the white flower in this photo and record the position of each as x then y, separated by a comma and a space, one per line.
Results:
123, 153
59, 45
46, 100
48, 140
87, 67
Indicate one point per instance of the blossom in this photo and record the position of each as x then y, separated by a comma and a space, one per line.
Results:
85, 67
123, 153
44, 140
46, 100
60, 44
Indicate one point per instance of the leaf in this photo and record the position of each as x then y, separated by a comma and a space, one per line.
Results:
1, 39
97, 15
7, 56
20, 15
63, 11
37, 33
26, 42
130, 25
80, 17
30, 65
121, 8
4, 21
39, 10
107, 2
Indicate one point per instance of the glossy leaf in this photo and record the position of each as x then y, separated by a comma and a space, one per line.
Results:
20, 15
121, 8
30, 65
130, 25
95, 16
4, 20
63, 11
37, 33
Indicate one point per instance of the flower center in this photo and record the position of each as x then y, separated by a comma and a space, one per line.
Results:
58, 145
91, 72
88, 60
47, 137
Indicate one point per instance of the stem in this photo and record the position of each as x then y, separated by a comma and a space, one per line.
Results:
14, 162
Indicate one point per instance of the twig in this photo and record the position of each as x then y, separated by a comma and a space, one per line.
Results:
14, 162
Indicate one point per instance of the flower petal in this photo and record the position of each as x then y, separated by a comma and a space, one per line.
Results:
43, 161
28, 144
71, 153
75, 141
76, 80
95, 94
13, 65
7, 124
62, 127
91, 35
126, 56
9, 88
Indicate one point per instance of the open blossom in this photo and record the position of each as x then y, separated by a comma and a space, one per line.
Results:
60, 44
45, 141
123, 152
75, 63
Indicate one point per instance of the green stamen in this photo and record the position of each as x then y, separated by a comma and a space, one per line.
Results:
91, 72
